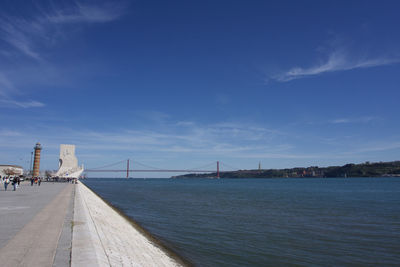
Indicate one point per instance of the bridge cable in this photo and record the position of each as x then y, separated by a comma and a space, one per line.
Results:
204, 166
229, 166
145, 165
108, 165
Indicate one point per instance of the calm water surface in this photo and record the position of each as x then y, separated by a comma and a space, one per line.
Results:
266, 222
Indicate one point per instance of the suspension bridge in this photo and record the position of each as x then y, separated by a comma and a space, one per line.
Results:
146, 168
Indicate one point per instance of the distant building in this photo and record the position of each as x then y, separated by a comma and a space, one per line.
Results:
11, 170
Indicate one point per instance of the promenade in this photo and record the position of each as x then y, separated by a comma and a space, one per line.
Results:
61, 224
35, 225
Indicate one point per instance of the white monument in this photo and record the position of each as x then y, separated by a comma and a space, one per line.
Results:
68, 166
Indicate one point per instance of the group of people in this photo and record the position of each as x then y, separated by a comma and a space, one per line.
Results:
36, 180
14, 180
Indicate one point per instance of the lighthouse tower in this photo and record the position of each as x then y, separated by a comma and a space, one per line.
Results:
36, 161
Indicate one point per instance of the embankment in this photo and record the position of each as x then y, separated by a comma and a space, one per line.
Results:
102, 237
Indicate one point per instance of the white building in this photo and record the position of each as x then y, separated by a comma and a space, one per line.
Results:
68, 163
13, 170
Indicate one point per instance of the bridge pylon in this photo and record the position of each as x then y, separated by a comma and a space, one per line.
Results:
127, 168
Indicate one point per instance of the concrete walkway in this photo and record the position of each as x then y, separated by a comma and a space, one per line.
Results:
31, 222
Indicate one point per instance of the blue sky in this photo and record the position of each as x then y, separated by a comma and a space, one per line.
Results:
181, 84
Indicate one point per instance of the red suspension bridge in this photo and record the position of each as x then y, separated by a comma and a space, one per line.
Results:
129, 169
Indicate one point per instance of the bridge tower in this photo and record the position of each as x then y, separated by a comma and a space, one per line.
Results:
217, 169
127, 169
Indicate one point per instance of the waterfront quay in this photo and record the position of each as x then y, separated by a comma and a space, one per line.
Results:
64, 224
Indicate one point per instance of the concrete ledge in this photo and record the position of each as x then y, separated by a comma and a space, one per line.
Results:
102, 237
87, 249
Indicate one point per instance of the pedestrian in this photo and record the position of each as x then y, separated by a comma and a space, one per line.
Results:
39, 181
19, 181
35, 180
6, 182
14, 183
32, 181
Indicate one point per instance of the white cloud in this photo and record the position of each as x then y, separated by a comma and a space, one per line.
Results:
354, 120
224, 140
21, 34
7, 89
30, 35
376, 147
185, 144
337, 61
10, 133
22, 104
5, 85
88, 13
337, 121
28, 42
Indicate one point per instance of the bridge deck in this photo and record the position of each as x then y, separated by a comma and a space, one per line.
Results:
149, 170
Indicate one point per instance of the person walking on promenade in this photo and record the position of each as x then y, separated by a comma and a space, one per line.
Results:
39, 181
6, 182
14, 183
32, 181
18, 181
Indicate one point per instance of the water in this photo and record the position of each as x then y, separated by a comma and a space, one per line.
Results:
266, 222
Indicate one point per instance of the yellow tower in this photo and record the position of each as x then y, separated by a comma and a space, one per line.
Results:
36, 161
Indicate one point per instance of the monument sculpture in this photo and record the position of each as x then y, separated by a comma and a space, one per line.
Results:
68, 164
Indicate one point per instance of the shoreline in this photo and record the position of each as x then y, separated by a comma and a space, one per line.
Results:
366, 169
106, 244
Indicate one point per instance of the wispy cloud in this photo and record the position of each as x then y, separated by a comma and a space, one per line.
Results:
22, 35
29, 36
189, 143
22, 104
232, 139
104, 12
338, 60
16, 32
27, 43
5, 85
353, 120
10, 133
7, 89
381, 146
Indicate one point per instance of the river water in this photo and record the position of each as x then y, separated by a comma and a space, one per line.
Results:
266, 222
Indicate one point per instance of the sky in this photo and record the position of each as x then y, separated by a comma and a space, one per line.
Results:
183, 84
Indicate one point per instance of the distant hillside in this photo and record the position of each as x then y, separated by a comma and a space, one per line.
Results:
367, 169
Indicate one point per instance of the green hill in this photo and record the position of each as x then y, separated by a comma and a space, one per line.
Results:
367, 169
